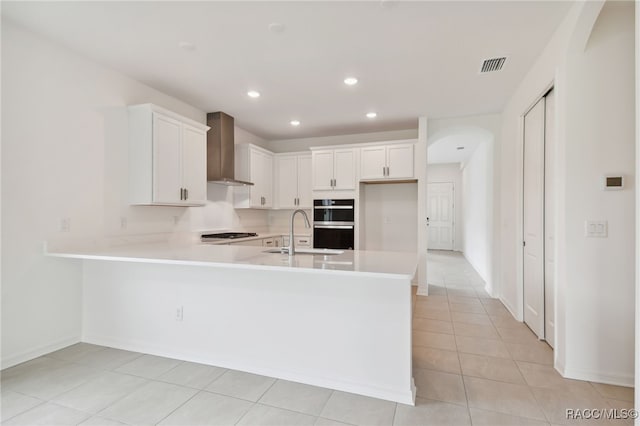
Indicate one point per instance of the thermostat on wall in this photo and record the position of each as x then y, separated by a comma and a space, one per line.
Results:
613, 182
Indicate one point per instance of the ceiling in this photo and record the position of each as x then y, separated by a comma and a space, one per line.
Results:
411, 58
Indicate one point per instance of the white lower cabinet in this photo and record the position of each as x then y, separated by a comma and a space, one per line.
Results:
256, 242
167, 158
301, 241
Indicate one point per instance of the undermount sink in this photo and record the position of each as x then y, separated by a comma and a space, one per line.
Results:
307, 251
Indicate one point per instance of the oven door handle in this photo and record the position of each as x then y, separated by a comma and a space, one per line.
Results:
333, 207
333, 226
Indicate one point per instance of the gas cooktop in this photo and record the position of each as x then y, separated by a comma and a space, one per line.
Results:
228, 235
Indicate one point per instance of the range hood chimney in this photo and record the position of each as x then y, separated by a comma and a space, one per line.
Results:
221, 150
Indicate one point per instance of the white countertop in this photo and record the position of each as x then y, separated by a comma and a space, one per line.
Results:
374, 263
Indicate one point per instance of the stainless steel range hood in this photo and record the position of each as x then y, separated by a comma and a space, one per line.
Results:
221, 150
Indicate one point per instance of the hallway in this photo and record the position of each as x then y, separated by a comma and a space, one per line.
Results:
470, 352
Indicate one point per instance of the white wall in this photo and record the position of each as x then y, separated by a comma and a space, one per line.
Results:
390, 217
599, 125
533, 86
64, 139
438, 173
594, 86
477, 210
637, 183
302, 144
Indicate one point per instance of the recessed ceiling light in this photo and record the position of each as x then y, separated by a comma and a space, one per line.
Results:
185, 45
295, 123
276, 27
459, 148
371, 115
350, 81
253, 94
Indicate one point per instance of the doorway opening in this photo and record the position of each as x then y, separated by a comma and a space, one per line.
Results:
460, 204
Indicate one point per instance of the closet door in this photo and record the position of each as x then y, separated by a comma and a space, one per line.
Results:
549, 221
533, 218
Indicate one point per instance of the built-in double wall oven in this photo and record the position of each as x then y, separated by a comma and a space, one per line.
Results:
333, 224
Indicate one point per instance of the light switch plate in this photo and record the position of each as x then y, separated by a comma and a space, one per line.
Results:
595, 228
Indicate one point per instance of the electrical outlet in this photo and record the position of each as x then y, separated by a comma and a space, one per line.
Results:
65, 224
595, 228
179, 313
123, 222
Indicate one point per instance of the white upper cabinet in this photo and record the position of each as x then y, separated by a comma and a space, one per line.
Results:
293, 181
394, 161
254, 164
373, 160
194, 171
167, 158
334, 169
305, 195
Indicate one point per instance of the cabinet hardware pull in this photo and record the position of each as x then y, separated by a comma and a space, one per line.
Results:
186, 194
181, 193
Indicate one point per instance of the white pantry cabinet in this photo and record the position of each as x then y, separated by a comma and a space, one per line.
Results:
394, 161
254, 164
293, 181
167, 158
334, 169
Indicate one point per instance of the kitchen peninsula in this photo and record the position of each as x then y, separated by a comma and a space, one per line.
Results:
338, 321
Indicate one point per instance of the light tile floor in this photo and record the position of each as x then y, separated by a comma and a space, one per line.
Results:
473, 364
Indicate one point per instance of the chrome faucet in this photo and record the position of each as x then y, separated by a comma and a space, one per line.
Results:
291, 249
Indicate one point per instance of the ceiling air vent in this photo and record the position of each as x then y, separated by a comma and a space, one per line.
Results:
495, 64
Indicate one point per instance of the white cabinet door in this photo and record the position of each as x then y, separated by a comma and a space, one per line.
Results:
261, 174
194, 164
305, 195
287, 181
255, 176
167, 158
267, 178
400, 161
269, 242
322, 170
167, 173
373, 162
344, 169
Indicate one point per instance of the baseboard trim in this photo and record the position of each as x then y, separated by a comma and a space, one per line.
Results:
509, 307
599, 377
30, 354
403, 396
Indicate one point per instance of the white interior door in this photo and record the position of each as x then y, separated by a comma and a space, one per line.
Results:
440, 215
533, 218
549, 221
